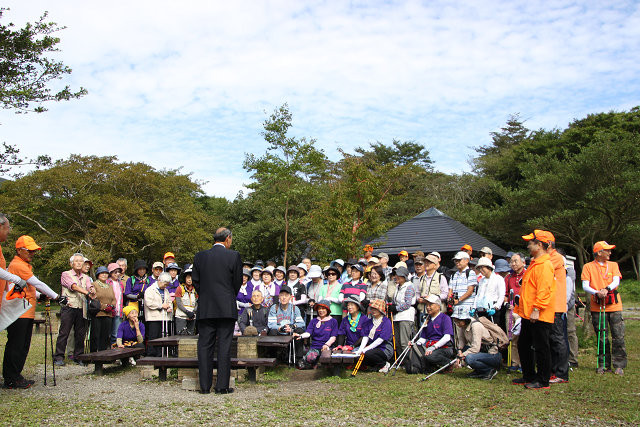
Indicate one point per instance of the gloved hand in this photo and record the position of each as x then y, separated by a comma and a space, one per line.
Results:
140, 295
391, 308
491, 312
20, 285
472, 312
62, 300
191, 314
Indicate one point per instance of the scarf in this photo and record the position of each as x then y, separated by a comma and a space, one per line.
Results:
376, 323
243, 289
353, 323
320, 321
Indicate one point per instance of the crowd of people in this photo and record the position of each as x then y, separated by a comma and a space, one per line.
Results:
483, 313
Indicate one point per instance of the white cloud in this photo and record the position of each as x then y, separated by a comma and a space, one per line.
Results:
186, 85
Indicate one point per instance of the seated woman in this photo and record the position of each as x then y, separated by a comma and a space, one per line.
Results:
323, 331
158, 308
352, 327
476, 348
376, 342
186, 304
436, 337
243, 299
130, 332
255, 316
101, 323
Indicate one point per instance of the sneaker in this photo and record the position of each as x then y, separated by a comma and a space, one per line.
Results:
385, 368
59, 362
600, 371
535, 386
132, 361
573, 365
30, 382
491, 375
18, 384
619, 371
557, 380
118, 362
518, 381
475, 374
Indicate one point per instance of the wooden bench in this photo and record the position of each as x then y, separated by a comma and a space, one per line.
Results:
37, 323
109, 356
279, 341
162, 363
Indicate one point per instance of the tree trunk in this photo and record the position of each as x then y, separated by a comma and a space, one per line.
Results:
286, 231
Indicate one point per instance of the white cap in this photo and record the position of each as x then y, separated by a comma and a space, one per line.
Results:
462, 255
433, 299
486, 250
302, 266
436, 254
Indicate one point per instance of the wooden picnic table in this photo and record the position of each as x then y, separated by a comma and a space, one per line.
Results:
99, 358
281, 341
162, 363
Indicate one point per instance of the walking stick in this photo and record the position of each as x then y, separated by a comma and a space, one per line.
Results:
441, 369
510, 326
404, 353
164, 332
48, 330
602, 336
393, 333
355, 370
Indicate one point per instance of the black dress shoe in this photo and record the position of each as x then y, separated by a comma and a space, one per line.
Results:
204, 391
225, 391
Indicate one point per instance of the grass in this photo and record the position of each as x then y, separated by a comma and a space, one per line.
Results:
630, 291
369, 398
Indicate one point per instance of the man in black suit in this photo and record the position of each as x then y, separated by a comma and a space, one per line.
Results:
217, 277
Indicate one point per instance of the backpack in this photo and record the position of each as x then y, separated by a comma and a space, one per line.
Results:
498, 336
414, 363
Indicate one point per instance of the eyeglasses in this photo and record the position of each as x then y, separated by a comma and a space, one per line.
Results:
332, 274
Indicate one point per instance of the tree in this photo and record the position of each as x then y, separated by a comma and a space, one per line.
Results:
25, 77
285, 179
401, 154
106, 209
25, 70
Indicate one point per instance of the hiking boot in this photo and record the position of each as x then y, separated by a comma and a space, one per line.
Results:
385, 368
17, 384
535, 386
59, 362
557, 380
132, 361
619, 371
518, 381
30, 382
491, 375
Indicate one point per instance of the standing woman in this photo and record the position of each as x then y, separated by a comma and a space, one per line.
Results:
101, 323
377, 339
136, 286
313, 289
279, 273
243, 299
158, 308
115, 274
355, 286
19, 332
331, 292
269, 289
186, 304
402, 309
377, 288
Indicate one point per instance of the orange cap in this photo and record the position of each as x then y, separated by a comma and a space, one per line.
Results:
28, 243
601, 246
541, 235
367, 248
168, 255
466, 247
405, 253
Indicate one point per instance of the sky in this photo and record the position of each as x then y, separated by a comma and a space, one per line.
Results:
189, 84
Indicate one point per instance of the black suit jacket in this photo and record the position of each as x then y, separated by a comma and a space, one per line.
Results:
217, 277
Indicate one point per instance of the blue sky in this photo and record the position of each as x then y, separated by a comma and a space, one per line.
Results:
187, 84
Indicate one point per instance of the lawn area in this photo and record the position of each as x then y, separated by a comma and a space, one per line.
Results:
370, 398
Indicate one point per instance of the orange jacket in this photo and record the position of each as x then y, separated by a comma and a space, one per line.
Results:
560, 273
538, 288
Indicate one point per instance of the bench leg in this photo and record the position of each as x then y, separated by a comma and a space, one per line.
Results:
252, 375
162, 373
336, 370
98, 369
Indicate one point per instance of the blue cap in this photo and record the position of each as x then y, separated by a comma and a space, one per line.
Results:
102, 269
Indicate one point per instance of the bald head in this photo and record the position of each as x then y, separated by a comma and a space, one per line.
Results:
221, 235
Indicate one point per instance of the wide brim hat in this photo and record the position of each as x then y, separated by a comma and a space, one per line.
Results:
256, 268
315, 272
113, 267
173, 266
293, 268
268, 270
355, 300
281, 268
245, 272
102, 269
379, 305
501, 266
334, 269
485, 262
139, 264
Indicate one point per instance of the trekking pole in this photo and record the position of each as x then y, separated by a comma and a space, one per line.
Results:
510, 326
355, 370
48, 320
164, 332
599, 337
393, 332
441, 369
399, 361
45, 343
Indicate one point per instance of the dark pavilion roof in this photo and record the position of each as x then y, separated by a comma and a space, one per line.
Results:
429, 231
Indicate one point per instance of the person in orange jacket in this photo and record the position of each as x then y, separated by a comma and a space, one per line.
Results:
601, 279
537, 309
557, 342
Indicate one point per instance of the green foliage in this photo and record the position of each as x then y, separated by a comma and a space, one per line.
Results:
105, 210
26, 71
